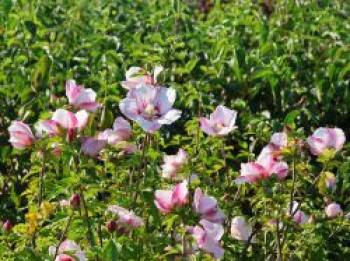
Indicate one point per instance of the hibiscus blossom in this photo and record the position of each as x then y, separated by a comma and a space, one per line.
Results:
150, 107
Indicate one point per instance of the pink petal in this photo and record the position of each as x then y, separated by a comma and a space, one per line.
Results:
122, 128
319, 141
87, 100
250, 172
207, 205
92, 146
164, 200
129, 108
197, 197
180, 193
300, 217
170, 117
164, 99
279, 139
80, 97
72, 91
64, 257
172, 163
224, 116
240, 229
214, 230
206, 126
216, 217
144, 95
281, 169
129, 84
69, 245
267, 162
82, 117
65, 119
21, 135
333, 210
337, 138
50, 127
148, 126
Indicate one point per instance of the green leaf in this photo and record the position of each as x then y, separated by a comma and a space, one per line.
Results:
31, 27
290, 118
7, 5
111, 251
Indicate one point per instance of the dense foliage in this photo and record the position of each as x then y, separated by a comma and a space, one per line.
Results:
281, 67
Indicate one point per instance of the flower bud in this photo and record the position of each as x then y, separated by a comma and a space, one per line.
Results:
312, 219
330, 181
111, 226
7, 226
75, 201
333, 210
227, 197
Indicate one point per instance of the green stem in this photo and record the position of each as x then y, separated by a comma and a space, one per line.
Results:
293, 184
87, 219
228, 176
244, 252
63, 235
142, 170
278, 240
41, 181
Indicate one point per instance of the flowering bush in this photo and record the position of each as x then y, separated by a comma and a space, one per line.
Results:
155, 165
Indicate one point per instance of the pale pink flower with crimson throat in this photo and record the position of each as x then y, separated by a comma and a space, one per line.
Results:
137, 75
173, 163
333, 210
81, 98
241, 230
207, 207
263, 168
208, 237
220, 123
68, 251
326, 138
167, 200
150, 107
21, 136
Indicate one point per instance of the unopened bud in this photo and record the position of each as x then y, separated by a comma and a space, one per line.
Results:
7, 226
111, 226
312, 219
75, 201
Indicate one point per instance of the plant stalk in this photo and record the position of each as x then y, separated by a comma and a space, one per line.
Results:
63, 235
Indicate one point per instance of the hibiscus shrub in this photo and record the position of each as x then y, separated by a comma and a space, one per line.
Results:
175, 130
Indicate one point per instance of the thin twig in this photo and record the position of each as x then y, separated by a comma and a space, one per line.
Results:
63, 235
278, 239
42, 173
293, 184
142, 171
228, 176
86, 218
244, 252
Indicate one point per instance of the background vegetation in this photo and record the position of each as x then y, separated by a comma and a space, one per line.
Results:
277, 63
